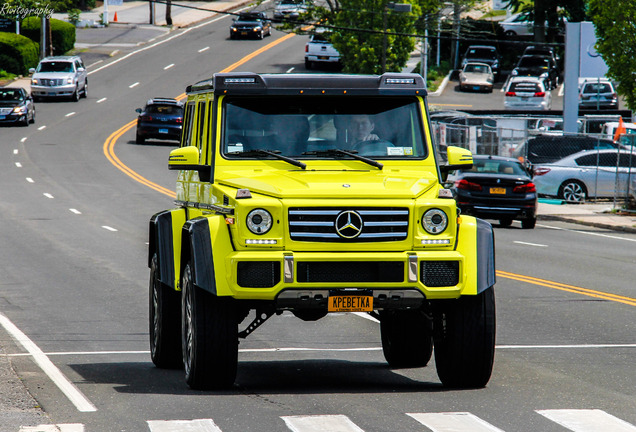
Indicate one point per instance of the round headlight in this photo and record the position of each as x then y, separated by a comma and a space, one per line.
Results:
434, 221
259, 221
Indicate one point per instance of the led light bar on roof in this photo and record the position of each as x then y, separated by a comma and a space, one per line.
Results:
400, 81
249, 80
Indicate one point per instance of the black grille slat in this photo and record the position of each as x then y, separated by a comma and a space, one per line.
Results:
350, 271
258, 274
439, 273
318, 224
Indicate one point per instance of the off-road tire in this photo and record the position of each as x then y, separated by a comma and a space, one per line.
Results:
464, 339
209, 336
164, 322
406, 338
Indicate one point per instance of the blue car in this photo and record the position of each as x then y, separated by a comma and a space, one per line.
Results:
161, 118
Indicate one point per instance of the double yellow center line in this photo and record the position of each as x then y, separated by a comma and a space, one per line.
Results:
569, 288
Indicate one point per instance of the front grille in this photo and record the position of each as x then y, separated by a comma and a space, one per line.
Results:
348, 224
439, 273
258, 274
350, 271
5, 111
51, 82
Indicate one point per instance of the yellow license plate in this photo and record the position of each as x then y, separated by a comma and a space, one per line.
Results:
497, 190
350, 303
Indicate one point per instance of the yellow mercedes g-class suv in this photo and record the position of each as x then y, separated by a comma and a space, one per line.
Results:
317, 194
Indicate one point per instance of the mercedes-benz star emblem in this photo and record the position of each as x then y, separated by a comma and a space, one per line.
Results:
349, 224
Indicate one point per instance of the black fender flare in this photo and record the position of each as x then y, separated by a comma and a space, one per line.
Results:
161, 241
197, 248
485, 255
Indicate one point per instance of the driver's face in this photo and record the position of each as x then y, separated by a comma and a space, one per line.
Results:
360, 126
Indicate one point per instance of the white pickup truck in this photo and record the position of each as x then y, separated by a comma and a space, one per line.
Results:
319, 50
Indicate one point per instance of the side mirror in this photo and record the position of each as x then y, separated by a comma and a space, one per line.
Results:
31, 71
139, 110
458, 158
184, 158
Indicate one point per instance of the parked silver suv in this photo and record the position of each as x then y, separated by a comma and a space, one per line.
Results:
60, 76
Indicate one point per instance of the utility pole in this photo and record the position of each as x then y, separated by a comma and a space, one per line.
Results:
397, 7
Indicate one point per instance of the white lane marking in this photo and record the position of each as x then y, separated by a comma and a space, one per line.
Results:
366, 316
530, 244
18, 164
30, 180
587, 420
72, 393
15, 151
114, 53
133, 85
94, 64
264, 350
48, 195
199, 425
106, 227
204, 49
23, 139
68, 427
289, 70
321, 423
41, 128
101, 100
72, 113
579, 346
77, 212
169, 66
454, 422
588, 233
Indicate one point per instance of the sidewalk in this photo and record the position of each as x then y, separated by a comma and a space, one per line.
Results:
598, 215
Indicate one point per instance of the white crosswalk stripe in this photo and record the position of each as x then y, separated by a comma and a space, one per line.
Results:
69, 427
575, 420
454, 422
321, 423
587, 420
200, 425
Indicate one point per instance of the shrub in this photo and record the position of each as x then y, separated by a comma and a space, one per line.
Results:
62, 33
18, 53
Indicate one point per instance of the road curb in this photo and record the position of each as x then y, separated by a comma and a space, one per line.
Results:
621, 228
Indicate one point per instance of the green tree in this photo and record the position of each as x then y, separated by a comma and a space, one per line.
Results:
615, 23
357, 30
542, 11
360, 37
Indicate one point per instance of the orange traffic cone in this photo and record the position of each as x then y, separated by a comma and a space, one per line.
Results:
115, 18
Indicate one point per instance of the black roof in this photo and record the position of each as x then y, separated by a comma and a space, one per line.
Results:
247, 83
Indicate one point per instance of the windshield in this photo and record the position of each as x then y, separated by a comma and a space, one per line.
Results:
312, 127
533, 62
10, 95
56, 67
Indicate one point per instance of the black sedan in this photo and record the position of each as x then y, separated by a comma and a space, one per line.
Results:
251, 25
16, 106
496, 187
161, 118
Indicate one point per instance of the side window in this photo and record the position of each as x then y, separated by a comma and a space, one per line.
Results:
627, 160
186, 139
201, 123
588, 160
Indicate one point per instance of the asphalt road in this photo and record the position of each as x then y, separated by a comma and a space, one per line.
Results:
73, 261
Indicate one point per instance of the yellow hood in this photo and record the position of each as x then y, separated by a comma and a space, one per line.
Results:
332, 184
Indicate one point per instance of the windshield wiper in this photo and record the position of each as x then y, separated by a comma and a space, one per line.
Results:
274, 153
352, 153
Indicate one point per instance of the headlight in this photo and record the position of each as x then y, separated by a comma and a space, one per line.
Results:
34, 81
69, 80
259, 221
19, 109
434, 221
257, 29
543, 75
514, 72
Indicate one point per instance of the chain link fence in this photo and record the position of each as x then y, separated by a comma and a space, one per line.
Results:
607, 171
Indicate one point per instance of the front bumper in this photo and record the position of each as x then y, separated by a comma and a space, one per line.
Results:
12, 118
53, 91
306, 277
